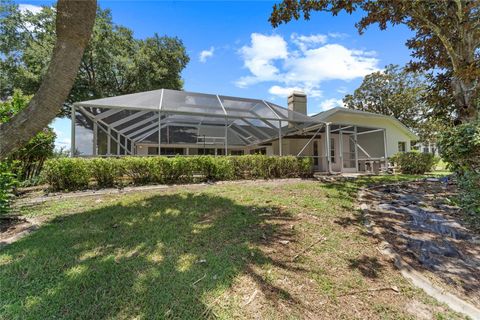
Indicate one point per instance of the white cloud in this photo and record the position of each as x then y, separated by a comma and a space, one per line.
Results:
269, 59
338, 35
62, 140
29, 7
329, 62
259, 58
205, 54
286, 91
331, 103
305, 42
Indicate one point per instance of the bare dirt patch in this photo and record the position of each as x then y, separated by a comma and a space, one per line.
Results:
421, 225
12, 227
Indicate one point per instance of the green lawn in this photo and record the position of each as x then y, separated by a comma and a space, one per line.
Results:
222, 251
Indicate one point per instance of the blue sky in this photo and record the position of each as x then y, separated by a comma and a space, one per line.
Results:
235, 51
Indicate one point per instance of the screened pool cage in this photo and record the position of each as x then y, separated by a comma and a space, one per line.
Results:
170, 122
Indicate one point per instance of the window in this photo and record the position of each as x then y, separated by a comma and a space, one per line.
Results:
315, 153
171, 151
402, 146
332, 150
236, 152
259, 151
206, 152
152, 150
415, 145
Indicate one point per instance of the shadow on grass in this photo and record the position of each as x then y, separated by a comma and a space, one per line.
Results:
162, 256
369, 267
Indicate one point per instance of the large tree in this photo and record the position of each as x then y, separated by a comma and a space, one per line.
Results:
446, 41
393, 92
114, 61
402, 94
73, 24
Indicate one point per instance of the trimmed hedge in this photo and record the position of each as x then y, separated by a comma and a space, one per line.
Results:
67, 174
414, 162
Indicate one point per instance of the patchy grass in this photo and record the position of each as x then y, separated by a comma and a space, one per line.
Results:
223, 251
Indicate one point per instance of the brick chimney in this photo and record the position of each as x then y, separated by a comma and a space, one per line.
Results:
297, 101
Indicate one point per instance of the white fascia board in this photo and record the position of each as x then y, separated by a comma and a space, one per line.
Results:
323, 116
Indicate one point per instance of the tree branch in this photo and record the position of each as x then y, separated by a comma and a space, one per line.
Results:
438, 32
74, 23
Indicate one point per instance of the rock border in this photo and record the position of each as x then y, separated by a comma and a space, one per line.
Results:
408, 272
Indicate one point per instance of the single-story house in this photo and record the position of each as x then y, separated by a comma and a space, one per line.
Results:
170, 122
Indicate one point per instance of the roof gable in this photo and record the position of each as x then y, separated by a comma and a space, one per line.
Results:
326, 115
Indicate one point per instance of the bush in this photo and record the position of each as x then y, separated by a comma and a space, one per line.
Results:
414, 162
140, 170
306, 167
106, 172
214, 168
161, 170
460, 148
7, 184
75, 173
469, 184
31, 157
182, 169
67, 174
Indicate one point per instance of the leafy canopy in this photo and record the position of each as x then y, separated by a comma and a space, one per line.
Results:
113, 63
401, 94
29, 159
446, 38
392, 92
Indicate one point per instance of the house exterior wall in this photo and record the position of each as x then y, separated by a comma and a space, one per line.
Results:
394, 133
294, 146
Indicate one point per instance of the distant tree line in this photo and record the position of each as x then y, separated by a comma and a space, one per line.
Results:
114, 61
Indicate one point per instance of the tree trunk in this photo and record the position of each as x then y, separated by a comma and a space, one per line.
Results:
464, 99
74, 24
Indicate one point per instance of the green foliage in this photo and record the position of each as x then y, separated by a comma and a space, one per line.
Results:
8, 182
215, 168
445, 41
139, 170
29, 158
12, 106
113, 63
414, 162
460, 148
67, 174
469, 184
33, 155
394, 92
401, 94
106, 172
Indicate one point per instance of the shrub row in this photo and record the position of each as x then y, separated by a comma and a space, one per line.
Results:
414, 162
66, 174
